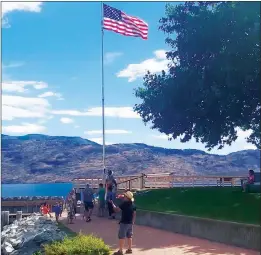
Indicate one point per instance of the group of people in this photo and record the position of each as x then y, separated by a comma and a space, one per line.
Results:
106, 197
45, 209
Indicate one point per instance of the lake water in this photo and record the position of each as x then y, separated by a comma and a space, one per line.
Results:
62, 189
46, 189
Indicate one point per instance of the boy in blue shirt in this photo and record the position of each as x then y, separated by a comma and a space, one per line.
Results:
57, 210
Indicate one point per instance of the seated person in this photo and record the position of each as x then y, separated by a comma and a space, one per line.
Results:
250, 179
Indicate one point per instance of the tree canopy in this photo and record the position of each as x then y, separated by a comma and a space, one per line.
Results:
212, 86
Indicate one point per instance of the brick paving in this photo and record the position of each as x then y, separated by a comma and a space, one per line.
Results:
149, 241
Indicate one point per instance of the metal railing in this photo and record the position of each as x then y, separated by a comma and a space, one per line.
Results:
166, 180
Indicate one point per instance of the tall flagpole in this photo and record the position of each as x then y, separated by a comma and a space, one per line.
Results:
103, 117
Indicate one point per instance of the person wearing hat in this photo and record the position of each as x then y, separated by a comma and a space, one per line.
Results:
128, 215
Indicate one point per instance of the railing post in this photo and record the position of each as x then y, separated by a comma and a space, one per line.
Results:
19, 215
143, 185
141, 182
4, 218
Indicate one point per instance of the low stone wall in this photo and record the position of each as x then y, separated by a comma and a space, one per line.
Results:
237, 234
26, 236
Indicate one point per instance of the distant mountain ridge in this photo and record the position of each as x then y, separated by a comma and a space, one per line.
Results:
38, 158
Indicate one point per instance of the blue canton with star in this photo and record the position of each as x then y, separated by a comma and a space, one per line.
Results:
111, 13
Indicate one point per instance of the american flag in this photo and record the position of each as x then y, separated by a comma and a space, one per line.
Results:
119, 22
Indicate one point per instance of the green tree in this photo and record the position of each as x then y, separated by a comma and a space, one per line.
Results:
212, 87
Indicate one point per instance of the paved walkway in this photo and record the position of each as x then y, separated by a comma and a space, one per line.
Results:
149, 241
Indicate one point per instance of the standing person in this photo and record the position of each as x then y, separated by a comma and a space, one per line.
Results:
101, 196
109, 200
88, 198
73, 196
61, 208
128, 216
57, 211
110, 181
70, 210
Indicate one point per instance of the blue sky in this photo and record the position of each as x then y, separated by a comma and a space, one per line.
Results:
51, 72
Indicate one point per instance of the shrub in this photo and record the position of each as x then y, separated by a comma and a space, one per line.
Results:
80, 245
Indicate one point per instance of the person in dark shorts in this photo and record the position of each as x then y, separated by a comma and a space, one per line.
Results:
109, 198
128, 216
88, 197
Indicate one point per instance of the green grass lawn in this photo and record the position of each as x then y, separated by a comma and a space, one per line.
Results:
222, 203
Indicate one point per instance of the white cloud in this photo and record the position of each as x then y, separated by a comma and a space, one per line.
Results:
25, 128
12, 65
109, 131
42, 121
5, 23
154, 65
76, 126
66, 120
99, 141
119, 112
242, 136
161, 136
51, 94
110, 57
239, 144
160, 54
20, 86
21, 6
23, 107
8, 7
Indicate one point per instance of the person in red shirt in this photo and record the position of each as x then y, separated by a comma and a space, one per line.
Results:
44, 209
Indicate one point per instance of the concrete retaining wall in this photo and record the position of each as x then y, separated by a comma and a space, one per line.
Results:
237, 234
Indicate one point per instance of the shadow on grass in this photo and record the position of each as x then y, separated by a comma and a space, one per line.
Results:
67, 230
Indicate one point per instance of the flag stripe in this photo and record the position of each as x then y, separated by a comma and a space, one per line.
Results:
119, 22
112, 25
124, 30
122, 26
126, 33
139, 22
